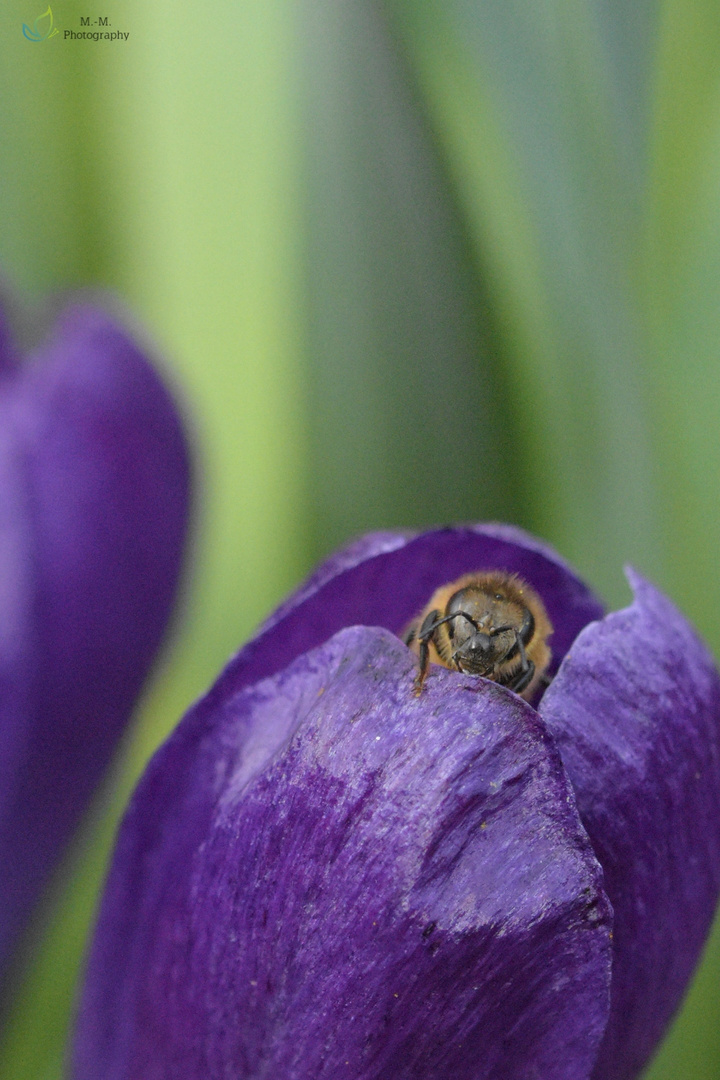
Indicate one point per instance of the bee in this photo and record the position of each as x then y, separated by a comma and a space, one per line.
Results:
489, 623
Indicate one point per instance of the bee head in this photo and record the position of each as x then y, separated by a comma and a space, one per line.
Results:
482, 634
479, 653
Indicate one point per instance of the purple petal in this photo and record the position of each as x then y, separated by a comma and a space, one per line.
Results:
385, 579
324, 876
635, 710
94, 483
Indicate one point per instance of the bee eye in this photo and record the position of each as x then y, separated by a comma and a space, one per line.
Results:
499, 596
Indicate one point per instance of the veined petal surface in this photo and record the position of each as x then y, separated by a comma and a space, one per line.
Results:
635, 710
322, 875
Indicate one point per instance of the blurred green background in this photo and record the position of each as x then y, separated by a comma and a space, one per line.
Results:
410, 263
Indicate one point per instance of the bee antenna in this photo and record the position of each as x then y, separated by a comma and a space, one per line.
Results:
426, 632
464, 615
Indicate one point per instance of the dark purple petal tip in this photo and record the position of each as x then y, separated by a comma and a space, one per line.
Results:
94, 482
337, 878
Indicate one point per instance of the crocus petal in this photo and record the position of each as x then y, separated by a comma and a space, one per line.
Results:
322, 875
93, 510
635, 710
385, 579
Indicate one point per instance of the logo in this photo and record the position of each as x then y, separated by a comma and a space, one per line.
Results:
42, 28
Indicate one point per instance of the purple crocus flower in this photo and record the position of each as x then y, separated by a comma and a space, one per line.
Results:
93, 514
322, 875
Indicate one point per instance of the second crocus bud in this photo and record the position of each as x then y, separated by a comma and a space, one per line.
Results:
94, 505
